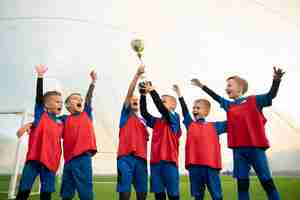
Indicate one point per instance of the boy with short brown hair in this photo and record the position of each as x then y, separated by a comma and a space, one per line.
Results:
246, 131
202, 148
44, 147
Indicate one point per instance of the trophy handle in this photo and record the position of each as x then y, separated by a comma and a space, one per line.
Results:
140, 58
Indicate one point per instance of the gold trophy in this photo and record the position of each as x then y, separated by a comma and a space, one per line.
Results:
138, 46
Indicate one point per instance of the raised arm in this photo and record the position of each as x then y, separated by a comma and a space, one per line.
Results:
159, 104
185, 111
150, 120
133, 84
278, 73
39, 105
211, 93
265, 100
89, 94
40, 70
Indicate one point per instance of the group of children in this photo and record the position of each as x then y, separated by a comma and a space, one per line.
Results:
245, 132
244, 127
44, 148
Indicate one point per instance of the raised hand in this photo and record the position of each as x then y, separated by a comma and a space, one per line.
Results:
93, 76
278, 73
41, 70
145, 87
177, 90
196, 82
149, 87
140, 70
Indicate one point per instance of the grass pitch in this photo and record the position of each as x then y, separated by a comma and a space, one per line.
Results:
105, 186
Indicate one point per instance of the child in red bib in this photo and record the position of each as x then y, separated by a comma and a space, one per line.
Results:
246, 131
132, 148
164, 144
44, 147
79, 144
202, 149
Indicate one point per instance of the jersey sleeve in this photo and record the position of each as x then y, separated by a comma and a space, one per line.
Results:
124, 115
221, 127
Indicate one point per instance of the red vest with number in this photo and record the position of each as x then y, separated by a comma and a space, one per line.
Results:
45, 142
133, 137
246, 125
79, 136
202, 146
165, 143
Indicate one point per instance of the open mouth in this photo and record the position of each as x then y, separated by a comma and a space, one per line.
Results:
59, 109
79, 105
135, 104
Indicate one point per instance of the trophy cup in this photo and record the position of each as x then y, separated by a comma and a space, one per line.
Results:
138, 46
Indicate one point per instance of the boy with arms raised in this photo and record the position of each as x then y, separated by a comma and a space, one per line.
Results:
164, 144
44, 147
132, 149
202, 148
246, 131
79, 144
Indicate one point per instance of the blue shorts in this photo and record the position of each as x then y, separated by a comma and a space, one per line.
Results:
245, 158
132, 170
31, 170
165, 176
201, 176
78, 175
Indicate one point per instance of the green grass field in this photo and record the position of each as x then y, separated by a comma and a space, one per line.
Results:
104, 188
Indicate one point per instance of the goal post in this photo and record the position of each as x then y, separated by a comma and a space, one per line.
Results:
13, 150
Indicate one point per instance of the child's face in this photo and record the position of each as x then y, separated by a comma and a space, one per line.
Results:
54, 104
200, 110
134, 103
169, 102
233, 89
75, 103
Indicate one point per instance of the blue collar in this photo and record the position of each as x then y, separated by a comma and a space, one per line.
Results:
239, 100
76, 113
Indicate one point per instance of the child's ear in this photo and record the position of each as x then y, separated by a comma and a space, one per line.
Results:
67, 105
241, 90
46, 104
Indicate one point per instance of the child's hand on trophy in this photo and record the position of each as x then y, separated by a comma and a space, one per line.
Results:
145, 87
